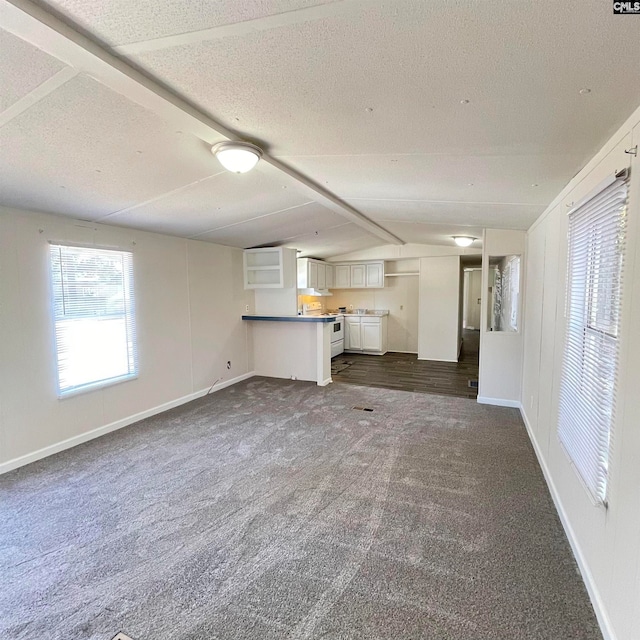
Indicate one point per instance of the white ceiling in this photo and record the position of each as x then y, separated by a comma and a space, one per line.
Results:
362, 98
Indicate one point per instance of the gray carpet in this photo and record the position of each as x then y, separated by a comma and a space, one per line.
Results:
274, 510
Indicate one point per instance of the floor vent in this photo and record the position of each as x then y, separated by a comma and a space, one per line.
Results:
473, 384
362, 409
121, 636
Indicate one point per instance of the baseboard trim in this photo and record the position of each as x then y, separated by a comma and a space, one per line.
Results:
325, 382
499, 402
594, 594
28, 458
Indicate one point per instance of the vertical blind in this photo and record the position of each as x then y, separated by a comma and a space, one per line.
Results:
93, 309
588, 388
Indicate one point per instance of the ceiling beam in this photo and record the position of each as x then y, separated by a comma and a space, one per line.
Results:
48, 33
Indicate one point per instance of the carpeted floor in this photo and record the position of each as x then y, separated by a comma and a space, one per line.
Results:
275, 510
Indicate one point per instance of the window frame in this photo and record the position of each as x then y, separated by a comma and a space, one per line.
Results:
129, 317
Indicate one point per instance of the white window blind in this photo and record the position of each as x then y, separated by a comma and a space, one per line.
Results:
590, 365
93, 309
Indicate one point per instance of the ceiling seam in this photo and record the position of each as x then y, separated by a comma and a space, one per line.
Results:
264, 215
34, 96
159, 197
242, 28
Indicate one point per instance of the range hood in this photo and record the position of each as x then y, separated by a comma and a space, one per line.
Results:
315, 292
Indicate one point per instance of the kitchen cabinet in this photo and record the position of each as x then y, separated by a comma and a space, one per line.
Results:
375, 275
313, 274
269, 268
329, 269
366, 334
359, 275
342, 276
322, 275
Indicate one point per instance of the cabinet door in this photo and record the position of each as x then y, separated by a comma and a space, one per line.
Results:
312, 275
371, 336
375, 275
329, 275
342, 276
353, 338
358, 276
322, 276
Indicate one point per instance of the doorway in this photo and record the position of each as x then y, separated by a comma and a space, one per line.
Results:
472, 298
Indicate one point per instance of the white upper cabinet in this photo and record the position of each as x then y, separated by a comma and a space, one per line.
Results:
329, 269
312, 274
358, 275
269, 268
322, 275
342, 276
375, 275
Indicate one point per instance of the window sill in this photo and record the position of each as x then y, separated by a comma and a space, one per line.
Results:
95, 386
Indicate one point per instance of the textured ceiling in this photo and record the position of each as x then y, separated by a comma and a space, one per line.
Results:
427, 117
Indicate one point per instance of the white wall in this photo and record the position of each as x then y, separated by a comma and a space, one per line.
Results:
438, 333
606, 542
189, 299
500, 351
400, 296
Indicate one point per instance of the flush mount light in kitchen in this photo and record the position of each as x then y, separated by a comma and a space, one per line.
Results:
238, 157
463, 241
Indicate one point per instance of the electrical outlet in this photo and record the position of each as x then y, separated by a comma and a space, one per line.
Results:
228, 364
246, 308
350, 307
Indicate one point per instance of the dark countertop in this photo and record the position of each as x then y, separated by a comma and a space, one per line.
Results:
291, 318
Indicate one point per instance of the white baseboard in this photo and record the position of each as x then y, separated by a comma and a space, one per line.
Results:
499, 402
10, 465
325, 382
587, 577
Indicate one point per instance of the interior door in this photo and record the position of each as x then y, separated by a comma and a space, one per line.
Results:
473, 299
371, 336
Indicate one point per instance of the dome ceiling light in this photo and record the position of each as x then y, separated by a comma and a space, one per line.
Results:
463, 241
237, 157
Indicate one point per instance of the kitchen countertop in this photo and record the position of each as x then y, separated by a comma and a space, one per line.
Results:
370, 312
327, 318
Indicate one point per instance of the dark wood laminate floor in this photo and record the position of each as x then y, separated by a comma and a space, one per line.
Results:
404, 371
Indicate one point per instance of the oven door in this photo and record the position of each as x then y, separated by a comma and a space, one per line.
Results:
337, 330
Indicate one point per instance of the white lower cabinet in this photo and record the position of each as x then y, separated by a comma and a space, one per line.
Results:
366, 333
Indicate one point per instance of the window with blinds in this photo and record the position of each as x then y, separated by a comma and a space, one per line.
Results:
93, 310
590, 365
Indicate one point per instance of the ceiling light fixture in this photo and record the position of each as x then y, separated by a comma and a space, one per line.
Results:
238, 157
463, 241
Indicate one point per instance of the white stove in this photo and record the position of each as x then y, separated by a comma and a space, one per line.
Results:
336, 326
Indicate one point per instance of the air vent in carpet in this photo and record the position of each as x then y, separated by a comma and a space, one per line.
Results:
362, 409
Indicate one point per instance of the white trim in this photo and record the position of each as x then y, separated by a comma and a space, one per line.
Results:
325, 382
594, 595
499, 402
437, 359
15, 463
